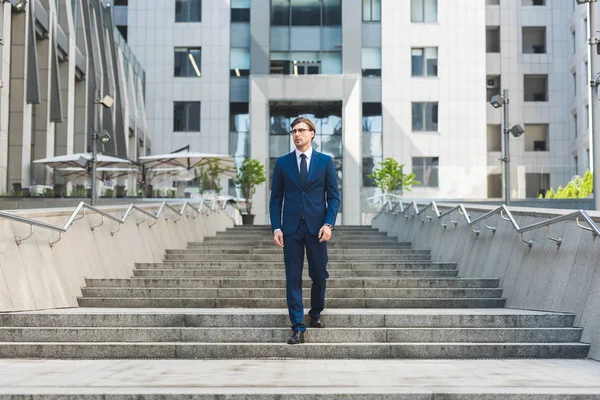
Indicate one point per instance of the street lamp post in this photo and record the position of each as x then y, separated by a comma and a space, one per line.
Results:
498, 101
106, 102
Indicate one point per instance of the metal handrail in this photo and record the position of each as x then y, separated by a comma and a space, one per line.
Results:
505, 214
385, 197
82, 207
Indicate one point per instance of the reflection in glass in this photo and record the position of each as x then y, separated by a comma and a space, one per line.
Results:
186, 116
332, 13
188, 62
280, 12
306, 12
426, 171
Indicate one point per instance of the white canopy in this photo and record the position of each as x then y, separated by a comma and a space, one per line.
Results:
72, 160
189, 160
102, 173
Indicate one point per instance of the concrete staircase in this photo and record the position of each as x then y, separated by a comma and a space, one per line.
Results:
225, 298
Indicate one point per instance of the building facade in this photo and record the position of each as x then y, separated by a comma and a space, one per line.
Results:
58, 57
408, 79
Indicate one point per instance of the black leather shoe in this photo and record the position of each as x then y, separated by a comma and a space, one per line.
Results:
297, 338
316, 322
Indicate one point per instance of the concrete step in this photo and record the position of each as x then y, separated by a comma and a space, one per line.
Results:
280, 283
171, 350
279, 293
279, 257
190, 302
270, 272
278, 318
279, 251
280, 335
278, 265
330, 244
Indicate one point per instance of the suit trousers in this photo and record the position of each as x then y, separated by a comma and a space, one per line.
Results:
293, 255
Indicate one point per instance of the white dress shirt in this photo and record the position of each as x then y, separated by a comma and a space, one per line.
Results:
308, 154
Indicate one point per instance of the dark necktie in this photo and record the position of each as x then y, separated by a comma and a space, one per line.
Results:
303, 169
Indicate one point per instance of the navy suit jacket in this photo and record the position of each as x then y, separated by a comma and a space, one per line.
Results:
288, 193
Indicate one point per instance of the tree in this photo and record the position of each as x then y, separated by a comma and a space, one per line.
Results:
389, 177
577, 188
250, 174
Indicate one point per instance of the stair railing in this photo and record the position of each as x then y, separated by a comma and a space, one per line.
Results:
82, 207
412, 209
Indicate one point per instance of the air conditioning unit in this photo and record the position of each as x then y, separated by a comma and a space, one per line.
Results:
493, 83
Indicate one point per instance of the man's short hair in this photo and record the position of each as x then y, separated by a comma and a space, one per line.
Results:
308, 122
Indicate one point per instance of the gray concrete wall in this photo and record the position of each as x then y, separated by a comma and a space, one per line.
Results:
34, 276
543, 277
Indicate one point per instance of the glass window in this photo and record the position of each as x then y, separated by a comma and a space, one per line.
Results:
332, 13
306, 12
186, 116
372, 140
492, 39
240, 62
371, 61
424, 11
426, 170
535, 87
187, 61
424, 61
425, 117
280, 12
371, 10
240, 11
188, 10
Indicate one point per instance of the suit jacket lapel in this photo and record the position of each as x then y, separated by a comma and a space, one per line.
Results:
294, 167
314, 161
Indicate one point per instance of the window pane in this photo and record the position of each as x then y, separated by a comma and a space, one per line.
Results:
416, 11
240, 58
431, 56
193, 116
367, 10
186, 116
306, 12
376, 10
240, 15
195, 11
280, 12
239, 117
332, 13
417, 116
426, 171
180, 62
430, 10
431, 116
417, 62
181, 10
178, 117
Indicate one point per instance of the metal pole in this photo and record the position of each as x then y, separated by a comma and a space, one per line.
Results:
594, 104
93, 161
506, 157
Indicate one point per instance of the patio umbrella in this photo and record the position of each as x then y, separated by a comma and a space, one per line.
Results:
102, 173
190, 160
73, 161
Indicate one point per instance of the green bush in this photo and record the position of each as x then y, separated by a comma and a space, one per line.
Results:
389, 177
577, 188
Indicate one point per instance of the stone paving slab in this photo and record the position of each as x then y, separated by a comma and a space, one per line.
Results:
304, 379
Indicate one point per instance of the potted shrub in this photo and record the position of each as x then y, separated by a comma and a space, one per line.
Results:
250, 174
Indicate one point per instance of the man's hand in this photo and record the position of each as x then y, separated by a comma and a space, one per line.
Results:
278, 238
324, 234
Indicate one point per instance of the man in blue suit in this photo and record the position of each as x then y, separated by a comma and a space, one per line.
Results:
305, 184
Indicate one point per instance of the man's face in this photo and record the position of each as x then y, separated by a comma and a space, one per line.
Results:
301, 134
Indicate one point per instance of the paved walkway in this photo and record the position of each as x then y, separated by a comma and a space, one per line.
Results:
412, 378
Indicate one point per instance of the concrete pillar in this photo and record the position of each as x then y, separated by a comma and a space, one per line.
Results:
352, 157
259, 144
5, 34
20, 119
65, 130
44, 129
